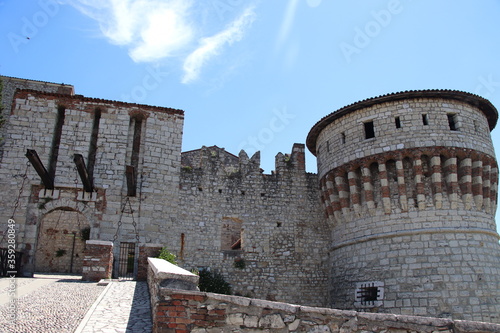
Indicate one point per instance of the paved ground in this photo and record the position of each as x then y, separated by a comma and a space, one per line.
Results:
123, 307
64, 304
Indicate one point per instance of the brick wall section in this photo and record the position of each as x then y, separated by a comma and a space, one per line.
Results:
182, 311
170, 315
98, 260
199, 312
145, 251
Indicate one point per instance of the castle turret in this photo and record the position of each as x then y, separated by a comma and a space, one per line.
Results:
408, 185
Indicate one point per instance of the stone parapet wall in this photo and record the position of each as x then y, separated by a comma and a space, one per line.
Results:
146, 251
98, 260
177, 311
199, 312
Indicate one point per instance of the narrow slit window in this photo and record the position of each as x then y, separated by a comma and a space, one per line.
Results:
328, 145
342, 137
136, 125
369, 130
136, 143
56, 141
452, 121
425, 119
397, 121
93, 145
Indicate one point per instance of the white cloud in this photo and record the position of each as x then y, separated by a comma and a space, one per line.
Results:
165, 33
287, 22
152, 29
211, 46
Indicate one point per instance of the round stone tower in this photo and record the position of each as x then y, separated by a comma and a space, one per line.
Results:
409, 187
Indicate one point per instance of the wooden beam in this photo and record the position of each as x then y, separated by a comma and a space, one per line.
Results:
82, 171
35, 161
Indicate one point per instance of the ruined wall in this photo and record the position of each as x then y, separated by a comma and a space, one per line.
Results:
411, 199
126, 134
225, 198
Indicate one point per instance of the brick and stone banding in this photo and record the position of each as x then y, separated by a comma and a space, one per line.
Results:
425, 224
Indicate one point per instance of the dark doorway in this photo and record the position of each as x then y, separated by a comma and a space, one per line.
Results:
126, 261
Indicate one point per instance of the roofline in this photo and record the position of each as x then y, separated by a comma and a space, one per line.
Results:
99, 100
483, 104
214, 146
38, 81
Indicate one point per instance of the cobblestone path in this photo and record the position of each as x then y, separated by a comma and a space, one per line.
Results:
45, 304
66, 304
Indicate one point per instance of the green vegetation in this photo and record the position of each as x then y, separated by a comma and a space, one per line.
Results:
165, 254
213, 282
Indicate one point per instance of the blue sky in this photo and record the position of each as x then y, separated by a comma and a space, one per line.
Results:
252, 74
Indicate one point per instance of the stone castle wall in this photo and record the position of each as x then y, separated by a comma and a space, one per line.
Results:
400, 219
178, 307
199, 211
277, 217
411, 199
111, 212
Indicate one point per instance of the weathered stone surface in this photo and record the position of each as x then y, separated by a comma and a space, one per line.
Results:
206, 312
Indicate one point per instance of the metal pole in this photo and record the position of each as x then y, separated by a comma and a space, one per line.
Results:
72, 252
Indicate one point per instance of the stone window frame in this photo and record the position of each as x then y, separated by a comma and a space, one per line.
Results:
425, 119
397, 122
453, 121
369, 129
234, 225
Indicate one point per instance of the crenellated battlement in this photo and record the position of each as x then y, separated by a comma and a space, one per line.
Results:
217, 160
271, 221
